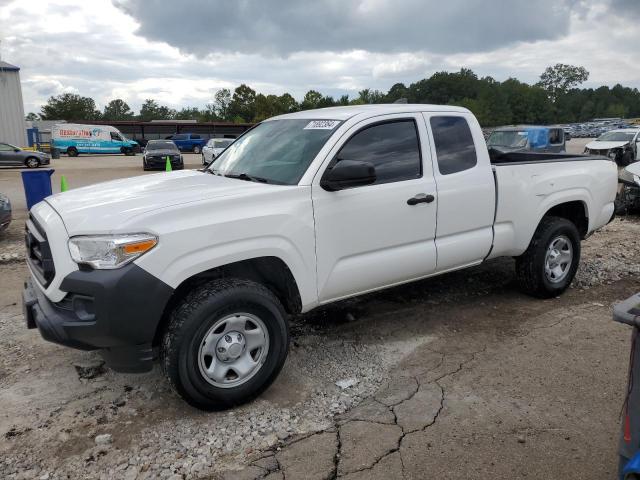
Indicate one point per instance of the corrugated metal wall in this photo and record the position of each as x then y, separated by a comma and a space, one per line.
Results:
12, 126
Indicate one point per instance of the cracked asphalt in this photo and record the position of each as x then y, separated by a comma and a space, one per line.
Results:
515, 388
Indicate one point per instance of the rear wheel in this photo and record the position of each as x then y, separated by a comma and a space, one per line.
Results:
72, 151
547, 267
197, 149
32, 162
225, 343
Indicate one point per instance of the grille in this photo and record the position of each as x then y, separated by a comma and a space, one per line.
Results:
38, 252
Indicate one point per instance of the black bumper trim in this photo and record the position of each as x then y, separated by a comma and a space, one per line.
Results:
127, 305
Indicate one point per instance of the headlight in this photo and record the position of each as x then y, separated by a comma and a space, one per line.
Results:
110, 251
636, 179
612, 154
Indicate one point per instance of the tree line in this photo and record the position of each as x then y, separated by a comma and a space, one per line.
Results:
556, 98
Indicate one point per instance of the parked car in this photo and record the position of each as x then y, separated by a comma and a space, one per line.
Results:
619, 145
156, 152
527, 138
188, 142
214, 147
15, 156
201, 267
5, 212
74, 139
628, 197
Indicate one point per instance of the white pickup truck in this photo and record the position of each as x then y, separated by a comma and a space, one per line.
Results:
201, 268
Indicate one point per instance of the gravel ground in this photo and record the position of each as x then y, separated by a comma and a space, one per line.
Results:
65, 416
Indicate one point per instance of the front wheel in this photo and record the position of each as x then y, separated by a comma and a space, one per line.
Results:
32, 162
197, 149
225, 343
72, 152
547, 267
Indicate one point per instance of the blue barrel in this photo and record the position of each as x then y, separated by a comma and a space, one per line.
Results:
37, 185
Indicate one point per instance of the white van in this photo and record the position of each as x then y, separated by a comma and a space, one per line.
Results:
73, 139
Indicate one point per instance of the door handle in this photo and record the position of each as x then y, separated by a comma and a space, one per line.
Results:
421, 198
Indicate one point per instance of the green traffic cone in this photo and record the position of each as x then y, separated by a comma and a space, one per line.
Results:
168, 166
63, 184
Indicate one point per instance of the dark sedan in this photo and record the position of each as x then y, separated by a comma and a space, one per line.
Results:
156, 152
15, 156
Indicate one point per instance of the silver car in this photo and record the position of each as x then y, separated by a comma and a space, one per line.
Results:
214, 147
15, 156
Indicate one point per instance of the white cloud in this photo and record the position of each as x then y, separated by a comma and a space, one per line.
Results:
99, 50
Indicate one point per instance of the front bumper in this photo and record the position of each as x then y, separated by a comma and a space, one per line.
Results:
161, 163
114, 311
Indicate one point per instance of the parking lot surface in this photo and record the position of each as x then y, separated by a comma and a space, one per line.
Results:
459, 376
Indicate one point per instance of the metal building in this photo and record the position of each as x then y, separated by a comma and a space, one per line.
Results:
12, 126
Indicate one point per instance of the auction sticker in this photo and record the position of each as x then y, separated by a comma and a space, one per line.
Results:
322, 124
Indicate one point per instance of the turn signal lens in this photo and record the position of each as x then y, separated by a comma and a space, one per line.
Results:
139, 247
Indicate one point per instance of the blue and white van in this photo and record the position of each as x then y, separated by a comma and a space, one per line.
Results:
74, 139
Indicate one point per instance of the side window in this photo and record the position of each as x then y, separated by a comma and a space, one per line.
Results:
5, 148
116, 137
454, 144
555, 136
393, 148
195, 137
179, 137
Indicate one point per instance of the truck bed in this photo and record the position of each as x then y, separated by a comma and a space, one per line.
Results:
499, 157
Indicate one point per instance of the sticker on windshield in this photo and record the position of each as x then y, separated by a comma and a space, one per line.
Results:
322, 125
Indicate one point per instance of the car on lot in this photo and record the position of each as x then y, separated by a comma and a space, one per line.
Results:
188, 142
201, 268
214, 147
10, 155
528, 138
5, 212
74, 139
619, 145
156, 153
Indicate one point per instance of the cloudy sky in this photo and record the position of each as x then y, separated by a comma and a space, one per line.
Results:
180, 53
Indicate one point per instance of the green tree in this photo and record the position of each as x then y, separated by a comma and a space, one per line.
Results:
311, 100
151, 110
31, 117
70, 107
188, 113
558, 79
221, 102
117, 110
242, 105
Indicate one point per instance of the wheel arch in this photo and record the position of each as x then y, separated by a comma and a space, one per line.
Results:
271, 272
576, 211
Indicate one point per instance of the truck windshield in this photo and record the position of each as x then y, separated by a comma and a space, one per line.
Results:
275, 151
508, 138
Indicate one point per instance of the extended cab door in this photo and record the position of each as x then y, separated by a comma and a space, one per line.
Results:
466, 189
372, 236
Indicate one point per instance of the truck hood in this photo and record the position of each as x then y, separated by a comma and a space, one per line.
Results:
103, 207
604, 145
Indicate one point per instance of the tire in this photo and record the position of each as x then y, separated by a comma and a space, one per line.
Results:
204, 321
552, 235
197, 149
32, 162
72, 151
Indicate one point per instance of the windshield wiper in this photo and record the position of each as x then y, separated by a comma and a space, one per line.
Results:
249, 178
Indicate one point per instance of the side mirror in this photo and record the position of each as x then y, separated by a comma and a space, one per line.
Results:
16, 149
348, 174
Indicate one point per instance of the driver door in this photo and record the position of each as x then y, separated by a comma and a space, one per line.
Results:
372, 236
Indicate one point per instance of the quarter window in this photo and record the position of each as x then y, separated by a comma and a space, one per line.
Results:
454, 144
392, 147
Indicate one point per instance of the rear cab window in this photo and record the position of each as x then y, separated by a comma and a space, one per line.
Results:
455, 149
